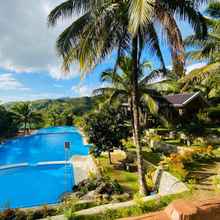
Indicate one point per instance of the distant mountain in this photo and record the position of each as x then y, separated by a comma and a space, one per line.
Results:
77, 105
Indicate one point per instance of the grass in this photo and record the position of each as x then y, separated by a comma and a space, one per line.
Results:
152, 157
128, 180
173, 141
217, 152
138, 209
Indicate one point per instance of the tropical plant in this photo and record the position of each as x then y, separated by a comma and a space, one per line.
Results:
25, 115
103, 26
120, 88
206, 50
54, 115
8, 125
106, 129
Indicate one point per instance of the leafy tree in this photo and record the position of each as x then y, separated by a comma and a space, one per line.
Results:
106, 129
25, 115
8, 126
54, 114
103, 26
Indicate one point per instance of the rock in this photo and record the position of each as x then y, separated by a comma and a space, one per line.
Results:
104, 188
105, 197
89, 196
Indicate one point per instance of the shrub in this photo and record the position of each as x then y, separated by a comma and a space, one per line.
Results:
175, 165
8, 214
214, 113
180, 164
101, 185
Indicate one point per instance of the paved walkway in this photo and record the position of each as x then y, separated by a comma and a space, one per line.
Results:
205, 175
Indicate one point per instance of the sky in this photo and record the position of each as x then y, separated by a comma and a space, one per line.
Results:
29, 65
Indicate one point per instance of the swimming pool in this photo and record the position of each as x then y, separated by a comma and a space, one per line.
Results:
36, 182
47, 144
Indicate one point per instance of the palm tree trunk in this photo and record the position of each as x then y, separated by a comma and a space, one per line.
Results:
132, 116
136, 126
109, 157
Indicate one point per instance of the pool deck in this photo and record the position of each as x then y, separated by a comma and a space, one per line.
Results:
83, 166
85, 139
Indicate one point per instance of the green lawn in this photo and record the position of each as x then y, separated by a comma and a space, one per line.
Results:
152, 157
128, 180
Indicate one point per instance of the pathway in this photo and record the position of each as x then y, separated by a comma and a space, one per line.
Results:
205, 175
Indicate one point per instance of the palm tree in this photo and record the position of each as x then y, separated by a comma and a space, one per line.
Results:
104, 26
25, 115
206, 50
120, 87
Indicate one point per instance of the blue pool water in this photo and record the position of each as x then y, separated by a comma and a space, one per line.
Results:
32, 186
36, 184
46, 145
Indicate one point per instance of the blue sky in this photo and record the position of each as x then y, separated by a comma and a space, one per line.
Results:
29, 67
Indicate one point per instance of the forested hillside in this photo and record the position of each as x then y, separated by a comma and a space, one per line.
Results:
41, 113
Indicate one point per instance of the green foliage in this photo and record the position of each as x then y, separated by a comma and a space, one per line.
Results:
214, 113
206, 78
128, 180
105, 185
191, 184
216, 182
25, 116
195, 127
140, 208
181, 164
79, 122
8, 125
106, 129
58, 111
17, 214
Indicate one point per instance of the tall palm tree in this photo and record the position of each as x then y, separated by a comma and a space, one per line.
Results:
105, 25
120, 87
25, 115
205, 50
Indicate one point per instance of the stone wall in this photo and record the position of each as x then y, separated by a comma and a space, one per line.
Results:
168, 184
186, 210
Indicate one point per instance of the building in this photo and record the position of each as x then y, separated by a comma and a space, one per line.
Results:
186, 105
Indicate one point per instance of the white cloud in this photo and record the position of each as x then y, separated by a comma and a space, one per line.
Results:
87, 89
26, 42
9, 83
82, 90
